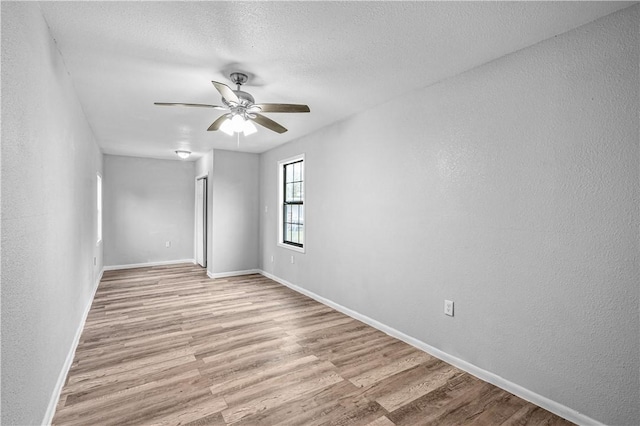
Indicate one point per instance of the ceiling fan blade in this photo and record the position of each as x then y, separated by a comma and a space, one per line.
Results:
216, 124
189, 105
226, 92
269, 123
282, 108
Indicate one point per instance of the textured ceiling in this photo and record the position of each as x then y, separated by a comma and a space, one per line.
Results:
338, 57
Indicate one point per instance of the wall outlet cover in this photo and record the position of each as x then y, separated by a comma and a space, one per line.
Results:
448, 307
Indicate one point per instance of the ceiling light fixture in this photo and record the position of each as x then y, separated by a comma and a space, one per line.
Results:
226, 127
183, 154
249, 128
238, 124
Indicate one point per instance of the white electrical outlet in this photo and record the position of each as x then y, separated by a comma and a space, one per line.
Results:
271, 258
448, 307
266, 209
167, 244
292, 259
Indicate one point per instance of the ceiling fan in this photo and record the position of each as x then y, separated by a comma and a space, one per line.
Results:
243, 110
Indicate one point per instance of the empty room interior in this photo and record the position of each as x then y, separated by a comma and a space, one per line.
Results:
309, 213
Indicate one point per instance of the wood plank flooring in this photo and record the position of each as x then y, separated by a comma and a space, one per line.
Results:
169, 346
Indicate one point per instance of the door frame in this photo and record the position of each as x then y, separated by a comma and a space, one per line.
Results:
205, 178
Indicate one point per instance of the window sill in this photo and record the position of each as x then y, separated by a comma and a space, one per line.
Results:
292, 248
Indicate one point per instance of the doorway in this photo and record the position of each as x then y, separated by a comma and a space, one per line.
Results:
201, 221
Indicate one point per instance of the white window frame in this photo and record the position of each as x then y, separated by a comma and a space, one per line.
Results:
99, 197
281, 165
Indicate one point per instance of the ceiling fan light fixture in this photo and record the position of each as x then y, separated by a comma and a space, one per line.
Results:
227, 127
249, 128
237, 123
183, 154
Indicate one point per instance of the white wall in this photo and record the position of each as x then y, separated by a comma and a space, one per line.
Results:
147, 202
49, 165
511, 189
235, 219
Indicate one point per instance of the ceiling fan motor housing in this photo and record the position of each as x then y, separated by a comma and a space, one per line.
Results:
245, 98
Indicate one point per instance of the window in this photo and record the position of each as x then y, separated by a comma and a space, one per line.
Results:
99, 207
292, 230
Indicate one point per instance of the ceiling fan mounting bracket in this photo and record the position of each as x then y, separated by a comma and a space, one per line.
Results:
238, 78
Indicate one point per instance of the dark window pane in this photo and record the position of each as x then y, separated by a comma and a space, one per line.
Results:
297, 191
289, 192
288, 171
297, 177
294, 233
287, 232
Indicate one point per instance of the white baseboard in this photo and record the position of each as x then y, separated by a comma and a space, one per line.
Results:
147, 264
62, 377
233, 273
542, 401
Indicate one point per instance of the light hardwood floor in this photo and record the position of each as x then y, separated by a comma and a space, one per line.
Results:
168, 345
